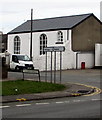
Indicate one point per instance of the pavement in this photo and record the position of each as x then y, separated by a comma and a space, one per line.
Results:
72, 90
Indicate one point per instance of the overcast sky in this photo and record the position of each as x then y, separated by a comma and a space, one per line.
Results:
15, 12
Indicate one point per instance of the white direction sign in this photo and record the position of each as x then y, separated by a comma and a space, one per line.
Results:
54, 49
48, 49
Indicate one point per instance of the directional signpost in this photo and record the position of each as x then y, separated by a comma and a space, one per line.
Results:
54, 49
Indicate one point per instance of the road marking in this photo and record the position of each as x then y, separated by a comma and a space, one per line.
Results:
21, 99
98, 90
21, 105
76, 100
95, 99
42, 103
60, 102
66, 101
4, 107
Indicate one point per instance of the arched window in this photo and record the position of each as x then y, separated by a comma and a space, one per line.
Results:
60, 36
43, 43
17, 45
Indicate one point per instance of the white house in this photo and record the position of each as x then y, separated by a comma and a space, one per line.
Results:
78, 33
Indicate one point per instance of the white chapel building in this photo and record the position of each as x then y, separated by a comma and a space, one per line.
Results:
77, 33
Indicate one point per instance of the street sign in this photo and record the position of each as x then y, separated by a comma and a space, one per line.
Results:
54, 49
58, 48
48, 49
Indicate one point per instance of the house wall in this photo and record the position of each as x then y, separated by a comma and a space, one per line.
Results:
25, 43
4, 42
87, 57
68, 57
87, 33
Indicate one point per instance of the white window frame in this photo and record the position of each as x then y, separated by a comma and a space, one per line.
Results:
60, 36
17, 43
43, 43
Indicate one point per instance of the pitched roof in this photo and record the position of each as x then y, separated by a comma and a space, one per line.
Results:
56, 23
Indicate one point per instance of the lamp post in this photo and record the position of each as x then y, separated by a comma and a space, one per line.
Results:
31, 34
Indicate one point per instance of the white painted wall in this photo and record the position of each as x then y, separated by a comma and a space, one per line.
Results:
39, 60
88, 58
25, 43
69, 57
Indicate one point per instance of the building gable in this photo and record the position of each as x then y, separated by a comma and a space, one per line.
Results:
86, 34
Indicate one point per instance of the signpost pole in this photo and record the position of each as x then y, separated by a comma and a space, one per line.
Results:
51, 66
55, 67
51, 50
46, 67
31, 34
60, 67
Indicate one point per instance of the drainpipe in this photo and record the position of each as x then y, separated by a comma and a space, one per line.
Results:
77, 59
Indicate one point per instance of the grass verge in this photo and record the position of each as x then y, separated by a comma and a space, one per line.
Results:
27, 87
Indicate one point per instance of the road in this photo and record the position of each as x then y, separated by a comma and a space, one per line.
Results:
71, 107
76, 107
87, 76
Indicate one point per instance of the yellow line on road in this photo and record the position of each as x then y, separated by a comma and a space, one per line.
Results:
97, 90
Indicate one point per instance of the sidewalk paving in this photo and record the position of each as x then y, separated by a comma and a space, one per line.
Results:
70, 92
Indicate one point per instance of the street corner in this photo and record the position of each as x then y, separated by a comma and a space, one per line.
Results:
75, 94
85, 90
94, 92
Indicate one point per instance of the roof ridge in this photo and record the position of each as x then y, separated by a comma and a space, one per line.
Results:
55, 23
61, 17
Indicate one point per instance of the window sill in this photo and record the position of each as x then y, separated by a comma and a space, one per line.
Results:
59, 43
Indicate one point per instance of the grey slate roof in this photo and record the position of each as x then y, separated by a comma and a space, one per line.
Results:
57, 23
